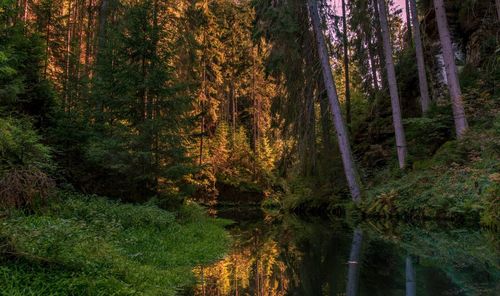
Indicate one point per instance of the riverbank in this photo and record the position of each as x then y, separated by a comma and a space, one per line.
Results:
459, 182
88, 245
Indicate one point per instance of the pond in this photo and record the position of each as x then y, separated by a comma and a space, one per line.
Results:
286, 255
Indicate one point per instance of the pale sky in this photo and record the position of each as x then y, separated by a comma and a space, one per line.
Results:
397, 3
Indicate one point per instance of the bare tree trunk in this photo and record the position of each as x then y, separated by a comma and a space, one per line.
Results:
380, 46
410, 277
25, 14
323, 107
497, 2
408, 21
343, 139
393, 86
353, 270
346, 67
103, 17
68, 57
373, 66
422, 77
451, 70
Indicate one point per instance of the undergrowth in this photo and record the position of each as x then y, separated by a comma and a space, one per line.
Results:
460, 182
81, 245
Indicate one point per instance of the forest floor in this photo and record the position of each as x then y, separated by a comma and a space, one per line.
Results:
87, 245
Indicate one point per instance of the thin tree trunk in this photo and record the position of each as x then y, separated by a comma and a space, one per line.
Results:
343, 139
451, 70
255, 106
103, 17
419, 52
204, 95
393, 87
88, 38
346, 67
380, 46
373, 66
67, 62
25, 14
353, 270
47, 39
408, 21
410, 277
323, 107
497, 2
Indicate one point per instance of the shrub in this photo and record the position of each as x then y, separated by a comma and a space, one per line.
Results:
25, 187
24, 162
20, 145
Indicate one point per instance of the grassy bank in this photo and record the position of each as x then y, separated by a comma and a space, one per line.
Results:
80, 245
460, 182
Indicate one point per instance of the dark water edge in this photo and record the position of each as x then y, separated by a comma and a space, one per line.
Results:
288, 255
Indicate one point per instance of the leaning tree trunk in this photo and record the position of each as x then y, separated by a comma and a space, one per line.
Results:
451, 70
393, 86
346, 66
422, 77
343, 139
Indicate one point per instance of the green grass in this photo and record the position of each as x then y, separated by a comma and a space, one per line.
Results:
83, 245
460, 182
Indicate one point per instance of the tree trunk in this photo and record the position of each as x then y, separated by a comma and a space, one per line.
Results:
393, 87
410, 276
353, 270
380, 46
373, 66
408, 21
422, 77
323, 107
497, 2
451, 70
346, 67
103, 16
68, 57
343, 139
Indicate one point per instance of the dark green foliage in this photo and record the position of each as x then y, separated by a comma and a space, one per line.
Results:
24, 166
23, 88
20, 146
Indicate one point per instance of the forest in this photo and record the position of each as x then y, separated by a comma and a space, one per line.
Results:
139, 138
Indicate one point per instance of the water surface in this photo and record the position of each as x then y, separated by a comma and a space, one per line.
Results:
286, 255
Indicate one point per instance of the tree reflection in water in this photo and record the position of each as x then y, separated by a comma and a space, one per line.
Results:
289, 256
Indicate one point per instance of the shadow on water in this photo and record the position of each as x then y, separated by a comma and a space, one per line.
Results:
290, 256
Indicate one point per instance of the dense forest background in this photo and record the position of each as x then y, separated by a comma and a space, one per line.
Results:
119, 117
176, 99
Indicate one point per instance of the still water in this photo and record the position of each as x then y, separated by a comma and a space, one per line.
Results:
286, 255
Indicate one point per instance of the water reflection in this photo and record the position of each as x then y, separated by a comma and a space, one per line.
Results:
353, 273
410, 278
289, 256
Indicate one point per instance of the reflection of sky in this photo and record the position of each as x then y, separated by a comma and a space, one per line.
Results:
397, 3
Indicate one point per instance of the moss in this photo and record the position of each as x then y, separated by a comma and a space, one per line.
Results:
89, 245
